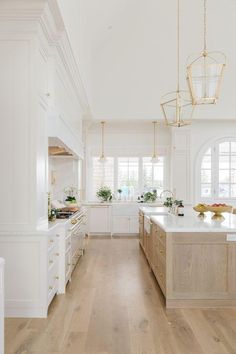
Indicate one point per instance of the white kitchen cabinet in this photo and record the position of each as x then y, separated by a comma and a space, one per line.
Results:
99, 219
114, 218
31, 278
2, 262
120, 224
134, 225
125, 219
71, 247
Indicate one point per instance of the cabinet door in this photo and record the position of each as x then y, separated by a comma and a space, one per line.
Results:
134, 224
121, 224
99, 219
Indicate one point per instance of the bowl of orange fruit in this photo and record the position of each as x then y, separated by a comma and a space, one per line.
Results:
218, 209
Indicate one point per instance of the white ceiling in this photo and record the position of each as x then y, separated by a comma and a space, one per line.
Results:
126, 51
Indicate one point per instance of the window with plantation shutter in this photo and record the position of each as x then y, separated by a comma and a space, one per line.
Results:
153, 175
133, 175
102, 174
128, 175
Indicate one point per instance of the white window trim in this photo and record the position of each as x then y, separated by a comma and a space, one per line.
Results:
214, 145
140, 181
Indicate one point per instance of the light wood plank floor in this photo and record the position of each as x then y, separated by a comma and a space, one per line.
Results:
114, 306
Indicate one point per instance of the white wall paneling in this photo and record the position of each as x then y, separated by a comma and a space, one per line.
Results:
66, 173
180, 169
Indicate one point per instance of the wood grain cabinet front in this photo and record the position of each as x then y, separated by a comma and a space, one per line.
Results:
194, 269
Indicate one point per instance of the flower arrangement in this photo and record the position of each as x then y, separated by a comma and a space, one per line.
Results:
71, 193
104, 194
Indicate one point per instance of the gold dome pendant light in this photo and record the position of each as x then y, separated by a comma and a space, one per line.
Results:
177, 105
102, 157
205, 72
154, 158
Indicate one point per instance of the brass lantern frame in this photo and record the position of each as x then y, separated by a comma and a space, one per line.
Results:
178, 101
205, 61
207, 79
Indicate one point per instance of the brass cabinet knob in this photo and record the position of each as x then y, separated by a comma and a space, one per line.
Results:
50, 288
57, 254
51, 241
56, 277
50, 262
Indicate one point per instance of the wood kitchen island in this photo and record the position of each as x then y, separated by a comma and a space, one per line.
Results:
193, 259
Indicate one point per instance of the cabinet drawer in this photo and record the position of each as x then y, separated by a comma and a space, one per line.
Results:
67, 265
51, 242
68, 243
52, 262
52, 285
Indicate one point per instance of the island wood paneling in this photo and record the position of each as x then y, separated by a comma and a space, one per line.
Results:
193, 269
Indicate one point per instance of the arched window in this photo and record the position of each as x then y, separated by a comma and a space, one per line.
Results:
218, 171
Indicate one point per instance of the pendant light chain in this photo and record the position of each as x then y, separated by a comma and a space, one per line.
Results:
205, 26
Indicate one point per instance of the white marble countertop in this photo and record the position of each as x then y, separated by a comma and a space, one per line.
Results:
154, 210
192, 223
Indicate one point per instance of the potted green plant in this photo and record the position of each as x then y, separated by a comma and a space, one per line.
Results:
150, 196
169, 203
104, 194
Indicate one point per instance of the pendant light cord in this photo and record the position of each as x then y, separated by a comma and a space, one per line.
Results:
102, 138
154, 140
178, 50
205, 25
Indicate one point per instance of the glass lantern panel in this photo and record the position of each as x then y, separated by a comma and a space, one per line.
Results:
204, 81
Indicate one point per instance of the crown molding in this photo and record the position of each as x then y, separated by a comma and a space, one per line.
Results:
46, 15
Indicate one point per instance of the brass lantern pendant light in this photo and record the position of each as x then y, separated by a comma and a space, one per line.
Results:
177, 105
205, 72
102, 157
155, 158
